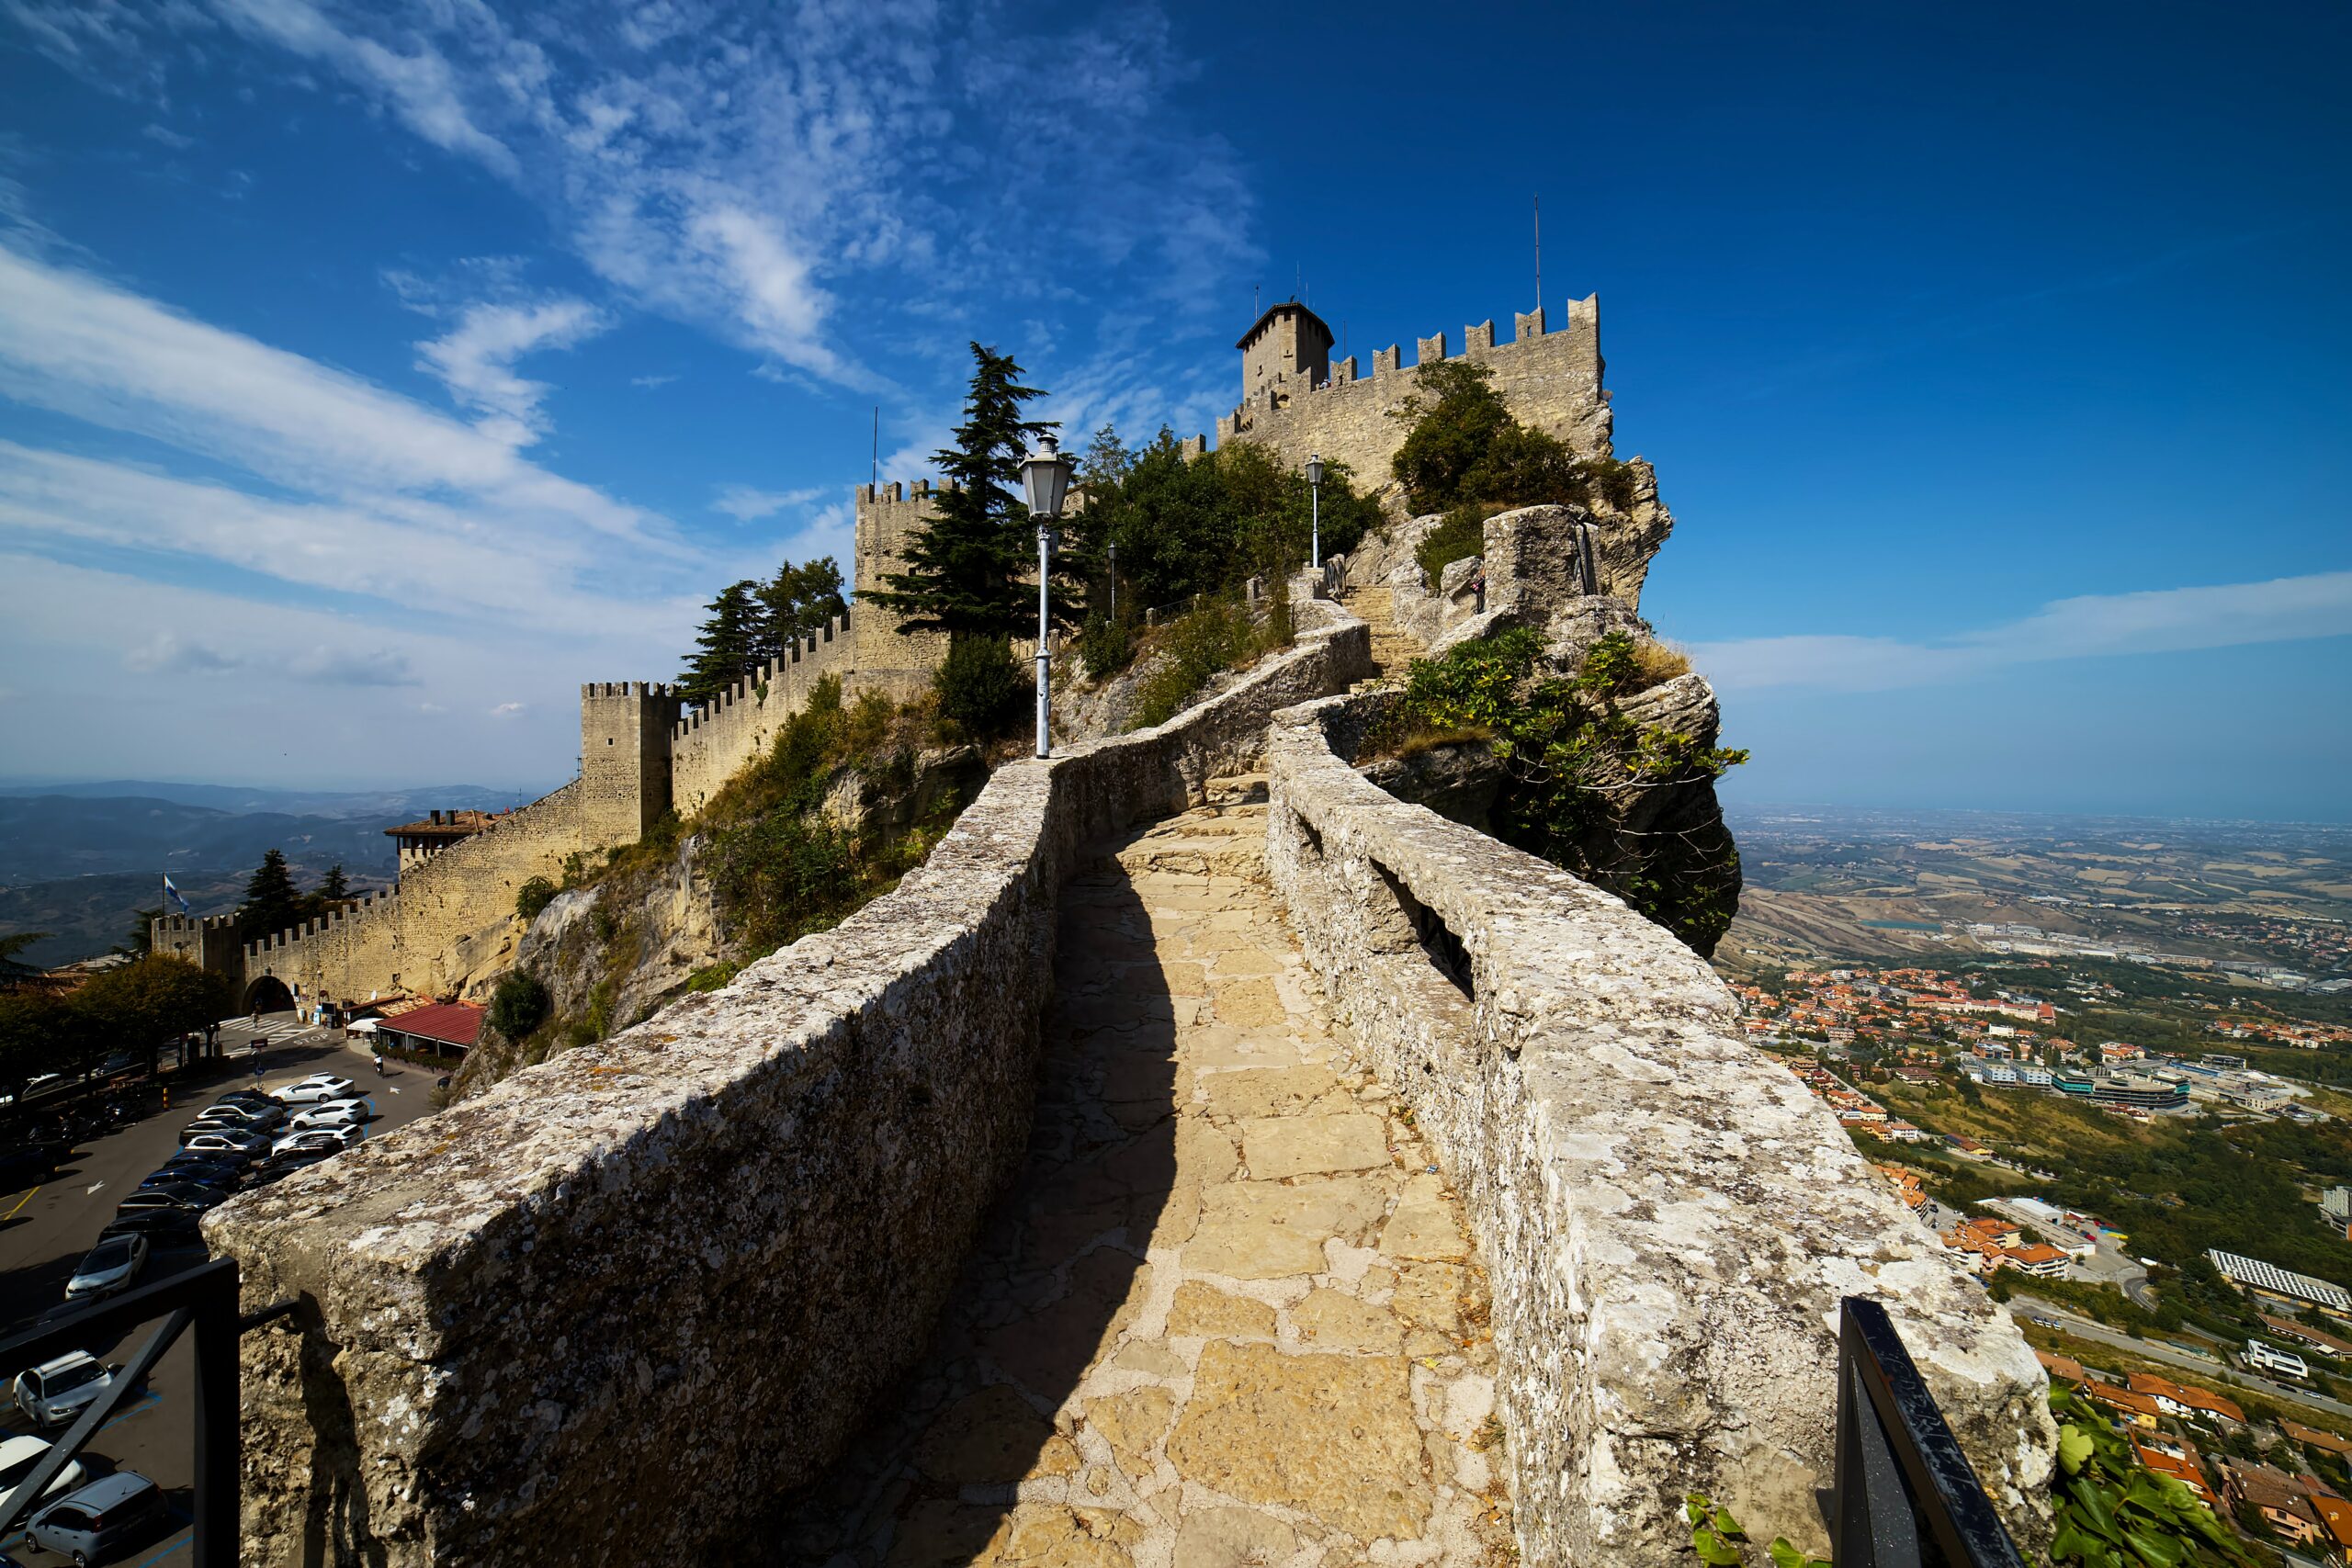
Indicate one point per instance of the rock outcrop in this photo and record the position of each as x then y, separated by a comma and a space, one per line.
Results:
1644, 826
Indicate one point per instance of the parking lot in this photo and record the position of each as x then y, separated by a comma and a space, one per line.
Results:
45, 1230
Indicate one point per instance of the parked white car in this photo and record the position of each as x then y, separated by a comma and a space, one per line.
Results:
17, 1457
341, 1113
332, 1139
316, 1089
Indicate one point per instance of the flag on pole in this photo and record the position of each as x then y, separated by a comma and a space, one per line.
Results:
173, 893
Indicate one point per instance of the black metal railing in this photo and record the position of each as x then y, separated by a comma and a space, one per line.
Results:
203, 1299
1905, 1494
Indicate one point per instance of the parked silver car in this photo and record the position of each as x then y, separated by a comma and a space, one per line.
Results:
100, 1520
55, 1392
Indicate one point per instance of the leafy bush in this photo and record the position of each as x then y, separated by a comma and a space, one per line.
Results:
981, 687
533, 897
2114, 1513
1462, 534
1107, 646
782, 876
1186, 527
519, 1005
1466, 454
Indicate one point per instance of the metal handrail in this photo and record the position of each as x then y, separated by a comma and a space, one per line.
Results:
203, 1299
1905, 1494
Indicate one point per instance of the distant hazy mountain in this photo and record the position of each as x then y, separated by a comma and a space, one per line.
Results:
392, 806
78, 859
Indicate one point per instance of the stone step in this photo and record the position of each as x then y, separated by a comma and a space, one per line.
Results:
1197, 854
1236, 788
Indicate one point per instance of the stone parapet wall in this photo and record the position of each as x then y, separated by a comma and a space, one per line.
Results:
1550, 379
1669, 1219
613, 1308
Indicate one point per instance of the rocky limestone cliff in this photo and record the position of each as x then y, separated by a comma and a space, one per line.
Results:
1634, 740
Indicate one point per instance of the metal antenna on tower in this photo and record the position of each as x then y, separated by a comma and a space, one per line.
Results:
877, 444
1539, 253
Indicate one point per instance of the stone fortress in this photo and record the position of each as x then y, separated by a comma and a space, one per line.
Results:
1260, 1139
642, 755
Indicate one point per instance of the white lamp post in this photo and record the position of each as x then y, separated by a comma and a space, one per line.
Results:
1044, 474
1314, 502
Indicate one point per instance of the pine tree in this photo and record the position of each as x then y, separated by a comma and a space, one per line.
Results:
967, 565
271, 902
140, 939
724, 650
796, 603
337, 886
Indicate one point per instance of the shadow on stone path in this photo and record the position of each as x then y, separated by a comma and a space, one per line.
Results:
1227, 1315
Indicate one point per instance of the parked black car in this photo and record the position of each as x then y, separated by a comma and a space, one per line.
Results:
177, 1195
162, 1227
26, 1164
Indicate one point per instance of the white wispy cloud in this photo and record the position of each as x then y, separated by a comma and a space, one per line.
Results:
2166, 620
82, 346
747, 506
840, 188
417, 83
476, 360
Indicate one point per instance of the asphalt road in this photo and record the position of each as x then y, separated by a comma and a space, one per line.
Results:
2157, 1350
46, 1230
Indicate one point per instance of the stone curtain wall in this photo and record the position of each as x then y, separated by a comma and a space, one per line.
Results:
1551, 381
611, 1309
1668, 1218
407, 940
711, 745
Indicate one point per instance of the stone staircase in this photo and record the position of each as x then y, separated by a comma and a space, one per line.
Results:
1392, 647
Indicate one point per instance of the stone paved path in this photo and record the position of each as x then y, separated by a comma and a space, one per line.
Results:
1229, 1314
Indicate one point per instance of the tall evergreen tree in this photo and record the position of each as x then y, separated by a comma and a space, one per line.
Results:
14, 970
271, 902
140, 939
967, 565
724, 649
796, 603
337, 886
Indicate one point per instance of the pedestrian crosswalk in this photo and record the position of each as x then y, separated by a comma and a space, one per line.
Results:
275, 1032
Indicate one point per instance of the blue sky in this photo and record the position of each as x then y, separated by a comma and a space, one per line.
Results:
372, 374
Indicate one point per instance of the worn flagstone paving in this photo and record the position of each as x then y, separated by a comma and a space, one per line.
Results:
1229, 1314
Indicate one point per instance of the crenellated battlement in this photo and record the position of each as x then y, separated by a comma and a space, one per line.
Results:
1550, 379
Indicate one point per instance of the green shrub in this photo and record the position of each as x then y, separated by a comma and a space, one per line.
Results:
782, 876
1465, 453
1571, 759
1194, 649
519, 1005
713, 976
1106, 644
533, 897
982, 687
1462, 534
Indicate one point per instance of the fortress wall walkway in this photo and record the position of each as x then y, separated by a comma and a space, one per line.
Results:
1229, 1312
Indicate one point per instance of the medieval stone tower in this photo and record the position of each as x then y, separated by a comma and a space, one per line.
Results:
1288, 344
625, 731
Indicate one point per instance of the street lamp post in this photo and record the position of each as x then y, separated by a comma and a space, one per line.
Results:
1315, 503
1044, 474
